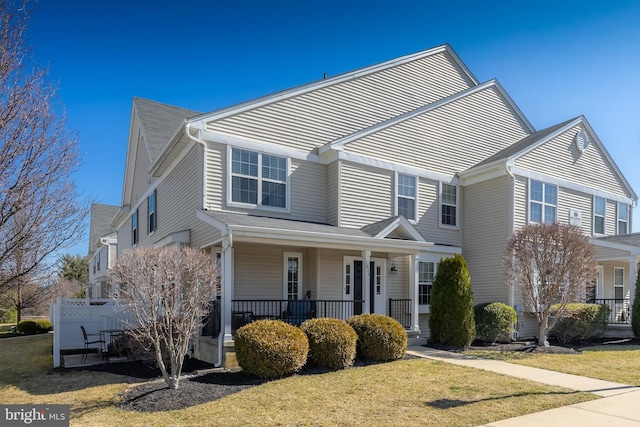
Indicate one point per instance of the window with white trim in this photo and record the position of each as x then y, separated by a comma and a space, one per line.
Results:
599, 204
152, 209
258, 179
378, 279
623, 218
426, 274
347, 279
293, 275
406, 187
134, 228
618, 282
448, 204
543, 202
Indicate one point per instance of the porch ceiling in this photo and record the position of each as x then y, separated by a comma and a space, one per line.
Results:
258, 229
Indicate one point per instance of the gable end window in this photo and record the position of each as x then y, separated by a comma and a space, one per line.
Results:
448, 205
598, 215
153, 212
134, 228
259, 179
543, 202
623, 218
406, 188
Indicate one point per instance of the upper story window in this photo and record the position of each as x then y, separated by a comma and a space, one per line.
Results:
407, 196
98, 260
426, 274
153, 211
258, 179
448, 205
134, 228
623, 218
543, 202
599, 204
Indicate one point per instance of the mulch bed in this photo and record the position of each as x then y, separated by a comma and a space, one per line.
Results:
553, 348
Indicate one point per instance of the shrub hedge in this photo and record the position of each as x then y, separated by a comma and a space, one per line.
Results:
44, 326
379, 337
271, 348
582, 322
332, 342
494, 321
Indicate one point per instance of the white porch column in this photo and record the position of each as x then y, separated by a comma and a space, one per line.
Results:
227, 288
366, 285
632, 278
413, 293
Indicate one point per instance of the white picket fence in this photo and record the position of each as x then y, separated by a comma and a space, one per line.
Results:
67, 315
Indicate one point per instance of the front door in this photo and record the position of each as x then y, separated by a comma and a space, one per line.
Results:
355, 282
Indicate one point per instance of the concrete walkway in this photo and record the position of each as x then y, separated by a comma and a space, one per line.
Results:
619, 406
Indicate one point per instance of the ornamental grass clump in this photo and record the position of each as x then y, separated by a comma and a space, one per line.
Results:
271, 348
332, 342
380, 337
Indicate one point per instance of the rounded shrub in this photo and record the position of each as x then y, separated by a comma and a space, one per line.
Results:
271, 348
379, 337
332, 342
44, 326
28, 327
580, 321
494, 321
451, 319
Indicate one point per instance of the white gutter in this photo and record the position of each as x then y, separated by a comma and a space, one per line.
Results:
204, 162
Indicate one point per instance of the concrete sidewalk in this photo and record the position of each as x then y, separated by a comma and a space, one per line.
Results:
620, 405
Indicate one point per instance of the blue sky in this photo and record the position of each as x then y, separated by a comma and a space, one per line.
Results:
557, 60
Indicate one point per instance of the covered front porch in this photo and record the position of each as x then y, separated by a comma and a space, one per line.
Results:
291, 270
618, 258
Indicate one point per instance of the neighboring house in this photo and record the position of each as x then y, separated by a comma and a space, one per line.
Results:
348, 191
102, 249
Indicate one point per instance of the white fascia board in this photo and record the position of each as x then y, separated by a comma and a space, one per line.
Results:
177, 237
404, 223
450, 250
215, 223
255, 145
288, 93
629, 249
525, 173
547, 138
483, 173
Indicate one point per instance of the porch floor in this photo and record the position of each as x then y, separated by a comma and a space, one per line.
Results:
75, 360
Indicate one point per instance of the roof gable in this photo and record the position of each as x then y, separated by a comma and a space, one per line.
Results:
100, 222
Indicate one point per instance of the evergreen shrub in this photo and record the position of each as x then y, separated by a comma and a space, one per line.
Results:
581, 322
451, 319
271, 348
332, 342
27, 327
380, 337
494, 321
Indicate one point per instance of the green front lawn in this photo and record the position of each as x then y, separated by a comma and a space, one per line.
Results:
408, 392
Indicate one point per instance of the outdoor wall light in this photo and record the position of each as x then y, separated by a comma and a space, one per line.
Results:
394, 269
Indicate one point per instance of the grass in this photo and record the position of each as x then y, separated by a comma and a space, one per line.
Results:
5, 330
406, 392
617, 363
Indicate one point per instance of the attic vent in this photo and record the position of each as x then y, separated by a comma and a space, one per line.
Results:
581, 140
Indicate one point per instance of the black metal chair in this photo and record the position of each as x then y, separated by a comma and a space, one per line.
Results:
89, 343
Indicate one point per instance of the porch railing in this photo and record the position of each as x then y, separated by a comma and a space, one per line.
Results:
620, 309
400, 309
246, 311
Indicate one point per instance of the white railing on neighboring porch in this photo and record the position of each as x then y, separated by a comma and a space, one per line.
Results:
67, 315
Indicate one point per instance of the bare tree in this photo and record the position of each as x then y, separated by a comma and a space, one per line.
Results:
168, 290
39, 207
549, 264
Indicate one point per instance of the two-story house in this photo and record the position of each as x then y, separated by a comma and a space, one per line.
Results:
102, 249
347, 192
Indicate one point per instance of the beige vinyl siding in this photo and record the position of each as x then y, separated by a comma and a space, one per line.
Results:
398, 284
429, 214
450, 138
521, 202
423, 323
141, 176
366, 195
333, 193
486, 226
609, 280
308, 191
216, 176
611, 218
258, 271
571, 199
331, 270
314, 118
560, 158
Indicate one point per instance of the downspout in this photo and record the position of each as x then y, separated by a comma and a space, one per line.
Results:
508, 168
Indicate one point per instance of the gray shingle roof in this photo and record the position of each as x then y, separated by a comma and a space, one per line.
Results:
159, 123
100, 223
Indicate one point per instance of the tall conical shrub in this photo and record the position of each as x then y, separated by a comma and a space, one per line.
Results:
452, 319
635, 310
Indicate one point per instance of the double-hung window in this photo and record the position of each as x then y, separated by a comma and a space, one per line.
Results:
258, 179
153, 212
618, 282
543, 202
448, 205
407, 196
426, 274
598, 214
134, 228
623, 218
